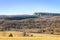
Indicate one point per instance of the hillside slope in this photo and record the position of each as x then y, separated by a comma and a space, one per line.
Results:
36, 25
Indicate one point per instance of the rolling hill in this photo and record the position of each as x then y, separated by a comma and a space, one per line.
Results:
50, 25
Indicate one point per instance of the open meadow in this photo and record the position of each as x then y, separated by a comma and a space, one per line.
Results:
31, 38
36, 36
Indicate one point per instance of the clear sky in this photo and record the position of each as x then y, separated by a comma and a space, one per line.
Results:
20, 7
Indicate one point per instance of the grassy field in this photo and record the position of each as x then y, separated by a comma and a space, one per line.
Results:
29, 38
41, 37
19, 36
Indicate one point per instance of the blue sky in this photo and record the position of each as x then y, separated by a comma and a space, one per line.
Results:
21, 7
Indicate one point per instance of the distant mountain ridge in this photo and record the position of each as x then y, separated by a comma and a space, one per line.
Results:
16, 17
46, 14
21, 17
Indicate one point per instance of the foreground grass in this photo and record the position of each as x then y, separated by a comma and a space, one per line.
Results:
29, 38
36, 36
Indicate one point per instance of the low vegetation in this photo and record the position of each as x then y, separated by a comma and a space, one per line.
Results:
50, 25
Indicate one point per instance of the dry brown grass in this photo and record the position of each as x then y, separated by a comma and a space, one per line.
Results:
36, 36
30, 38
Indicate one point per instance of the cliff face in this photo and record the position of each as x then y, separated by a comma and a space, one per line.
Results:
37, 25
